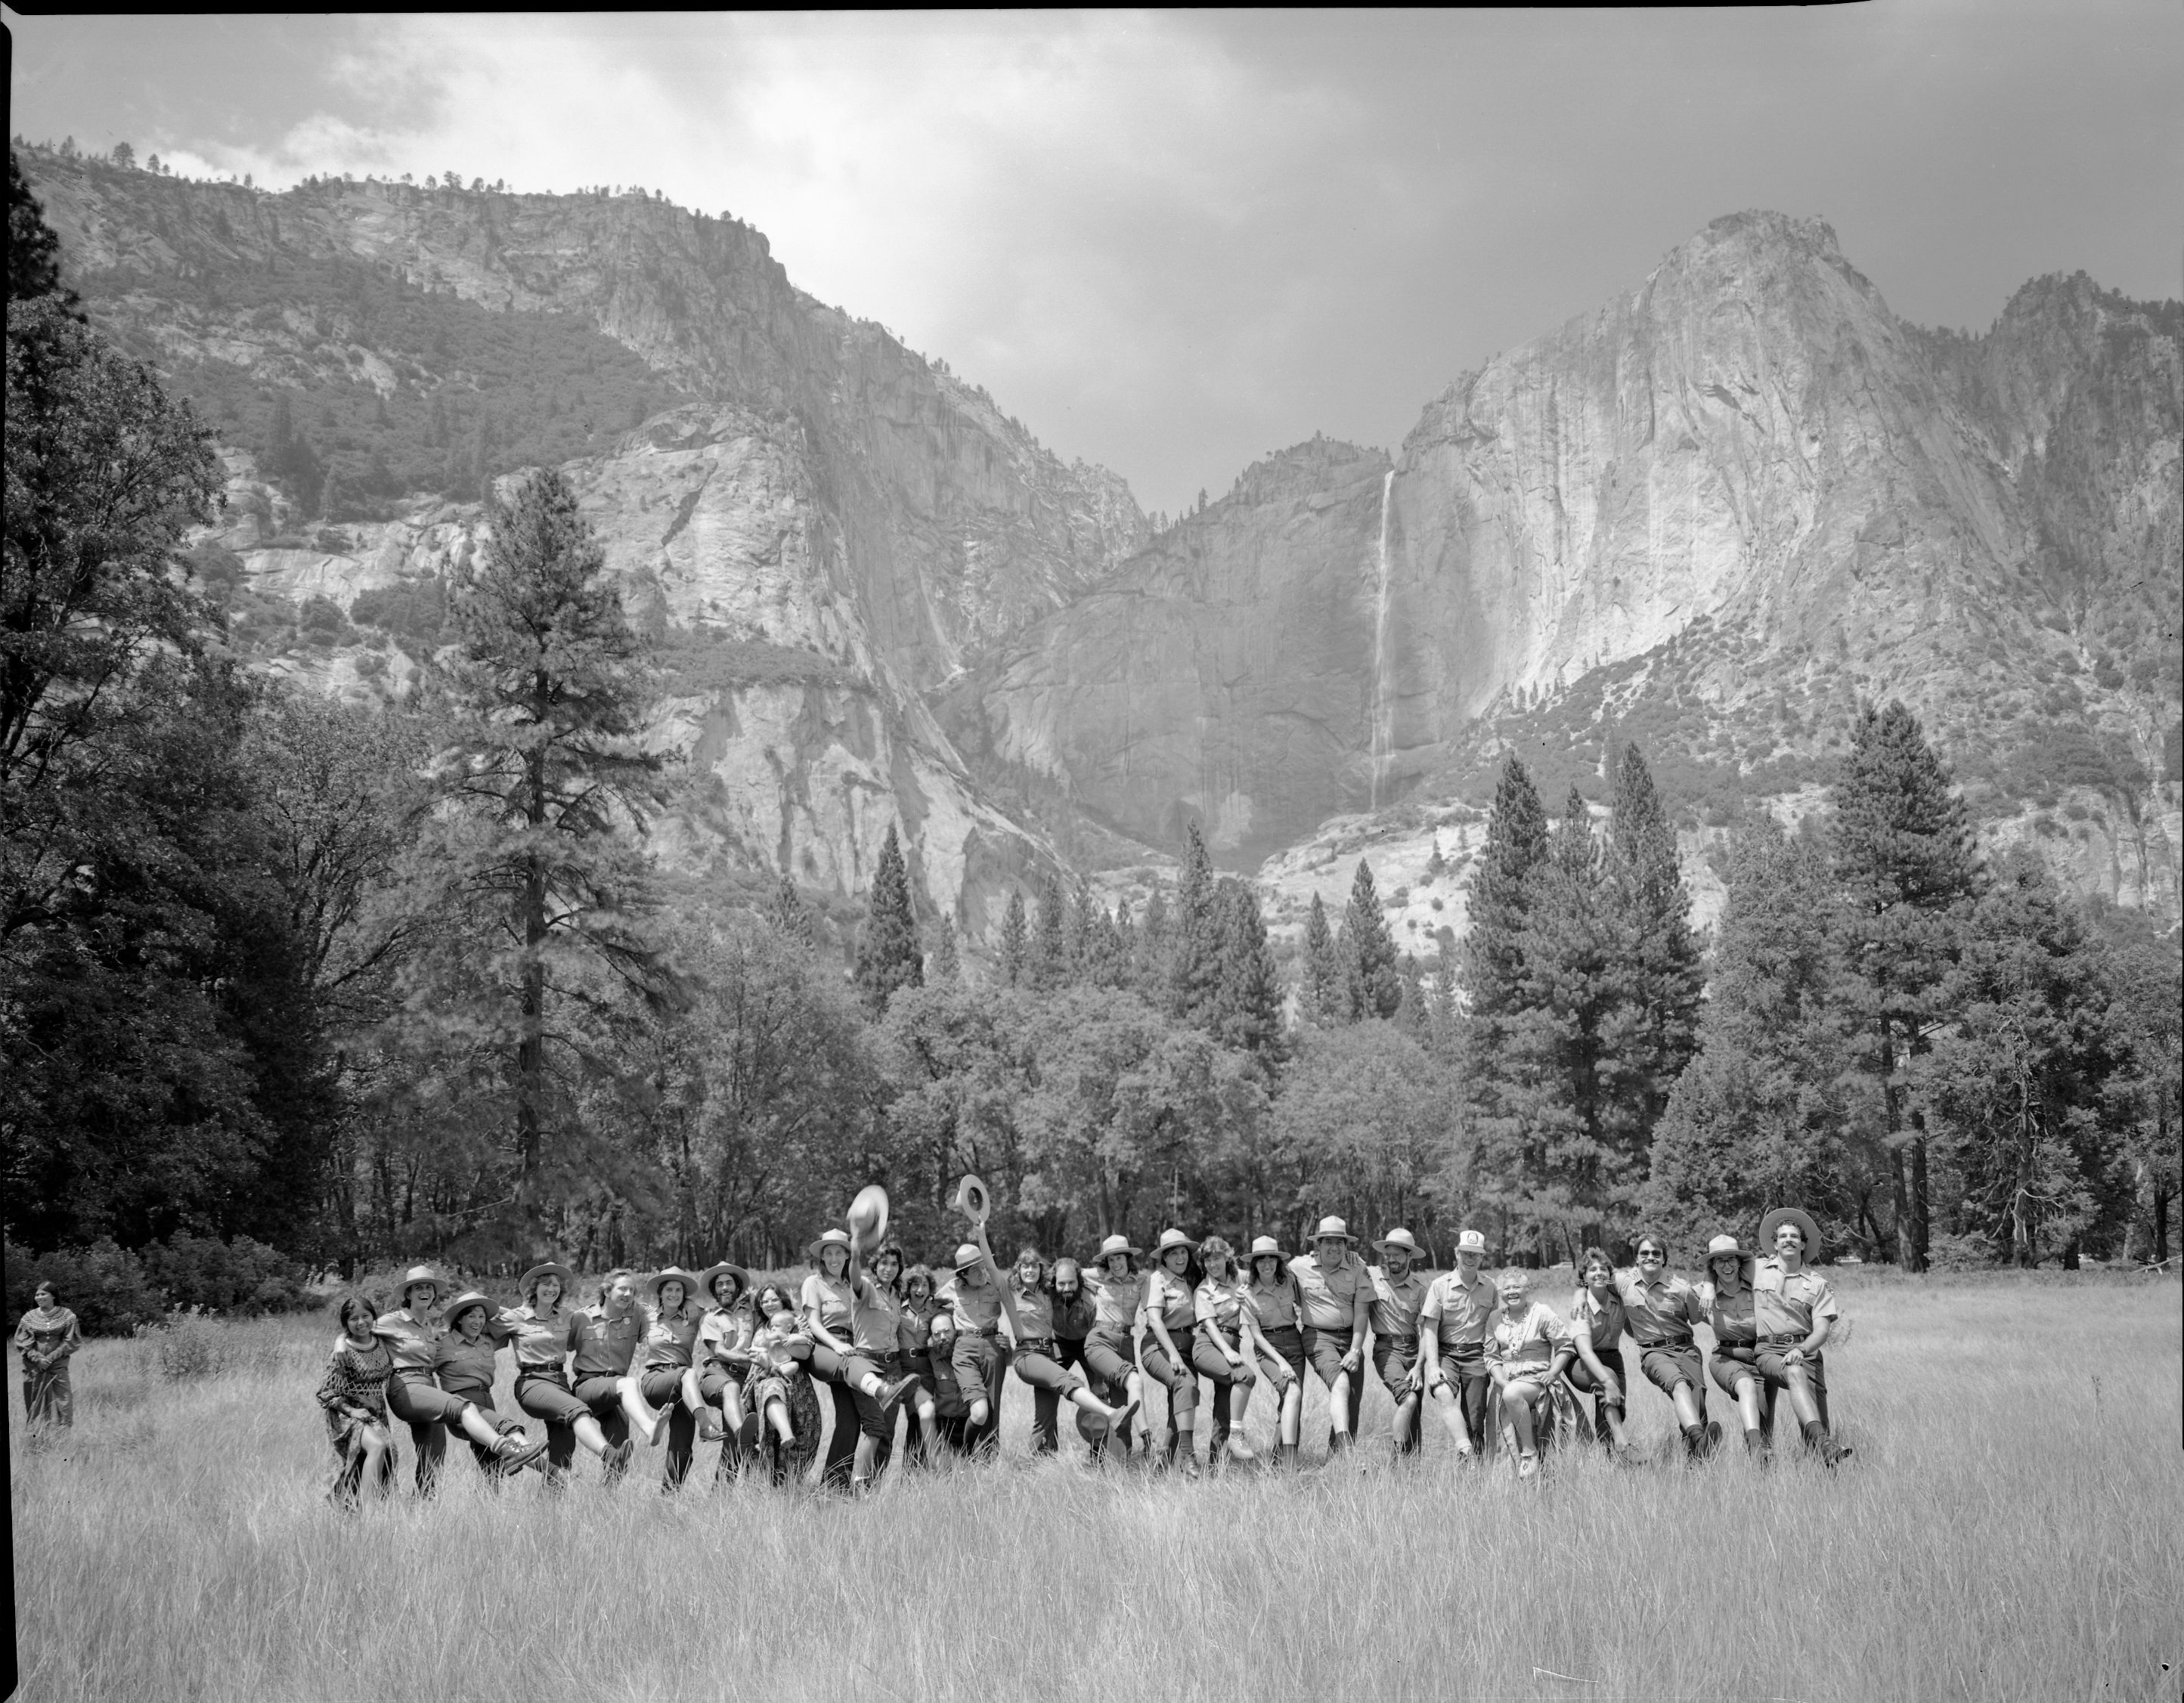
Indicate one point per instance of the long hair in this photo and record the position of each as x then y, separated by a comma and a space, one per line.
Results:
902, 1267
919, 1273
1043, 1281
1218, 1244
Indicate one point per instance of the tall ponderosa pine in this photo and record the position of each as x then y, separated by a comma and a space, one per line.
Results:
1320, 993
947, 967
1568, 1171
1516, 845
1372, 988
1015, 943
1195, 962
1246, 1010
544, 784
1906, 866
1049, 967
888, 954
1658, 978
1759, 1116
2016, 1085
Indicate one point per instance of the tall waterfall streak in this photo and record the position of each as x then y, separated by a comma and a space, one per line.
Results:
1383, 713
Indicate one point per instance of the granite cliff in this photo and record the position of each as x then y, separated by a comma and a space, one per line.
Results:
819, 523
1714, 516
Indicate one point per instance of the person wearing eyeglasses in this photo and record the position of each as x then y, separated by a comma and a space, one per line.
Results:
1660, 1309
1794, 1311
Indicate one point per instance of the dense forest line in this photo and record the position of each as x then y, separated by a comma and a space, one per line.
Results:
285, 984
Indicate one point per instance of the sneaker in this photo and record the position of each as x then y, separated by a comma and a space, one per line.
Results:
1528, 1466
1239, 1450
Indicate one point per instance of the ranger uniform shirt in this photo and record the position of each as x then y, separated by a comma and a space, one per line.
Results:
1660, 1312
1395, 1307
1458, 1309
1785, 1303
1330, 1296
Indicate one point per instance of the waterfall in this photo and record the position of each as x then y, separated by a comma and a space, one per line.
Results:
1383, 713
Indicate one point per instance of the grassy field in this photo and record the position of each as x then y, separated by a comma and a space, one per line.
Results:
2012, 1526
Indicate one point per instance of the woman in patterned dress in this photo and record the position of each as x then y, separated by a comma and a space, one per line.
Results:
353, 1395
47, 1335
1530, 1349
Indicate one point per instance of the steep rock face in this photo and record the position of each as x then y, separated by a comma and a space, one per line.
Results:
840, 524
1224, 676
1721, 512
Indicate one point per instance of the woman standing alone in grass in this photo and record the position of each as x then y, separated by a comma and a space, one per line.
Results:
546, 1334
1727, 1295
352, 1395
45, 1338
1277, 1329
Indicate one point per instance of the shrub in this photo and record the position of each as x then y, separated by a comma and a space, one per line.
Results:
239, 1276
1972, 1252
105, 1285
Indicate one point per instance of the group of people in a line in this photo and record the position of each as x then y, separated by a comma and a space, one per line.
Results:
714, 1357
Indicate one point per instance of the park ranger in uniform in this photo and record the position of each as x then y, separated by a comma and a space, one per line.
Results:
1453, 1323
1398, 1293
1793, 1310
1337, 1330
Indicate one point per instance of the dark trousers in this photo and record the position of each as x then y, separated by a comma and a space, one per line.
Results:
1046, 1403
1323, 1351
663, 1386
1466, 1369
427, 1410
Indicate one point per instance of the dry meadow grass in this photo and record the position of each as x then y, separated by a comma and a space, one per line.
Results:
2009, 1529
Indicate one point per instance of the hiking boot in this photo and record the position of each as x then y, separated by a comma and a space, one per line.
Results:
1185, 1461
517, 1449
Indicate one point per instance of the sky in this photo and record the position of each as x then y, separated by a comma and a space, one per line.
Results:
1172, 242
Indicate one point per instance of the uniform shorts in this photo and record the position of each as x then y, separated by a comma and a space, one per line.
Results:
547, 1396
1777, 1374
1323, 1350
1667, 1367
1732, 1366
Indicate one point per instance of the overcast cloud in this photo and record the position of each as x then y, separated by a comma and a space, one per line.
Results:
1172, 242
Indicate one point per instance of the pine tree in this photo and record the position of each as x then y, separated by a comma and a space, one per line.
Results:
1444, 1013
1195, 962
946, 968
1320, 997
1377, 989
1568, 1172
545, 773
1149, 964
1516, 845
888, 954
1759, 1117
1904, 860
1015, 944
1049, 966
788, 914
1247, 1003
1655, 1027
1410, 1000
1123, 969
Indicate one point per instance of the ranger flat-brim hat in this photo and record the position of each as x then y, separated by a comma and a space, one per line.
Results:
1333, 1230
1264, 1248
1722, 1247
674, 1274
1401, 1242
454, 1310
1112, 1246
1170, 1240
829, 1238
416, 1275
1789, 1215
968, 1254
727, 1268
868, 1218
553, 1268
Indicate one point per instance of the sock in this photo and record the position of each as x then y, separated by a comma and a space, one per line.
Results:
1754, 1442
